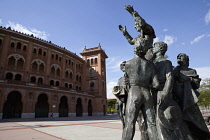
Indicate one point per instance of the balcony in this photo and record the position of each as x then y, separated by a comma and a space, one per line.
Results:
15, 82
90, 92
14, 68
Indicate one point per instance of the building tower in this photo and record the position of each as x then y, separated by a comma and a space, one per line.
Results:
96, 77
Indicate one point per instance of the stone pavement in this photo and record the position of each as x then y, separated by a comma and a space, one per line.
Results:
75, 128
72, 128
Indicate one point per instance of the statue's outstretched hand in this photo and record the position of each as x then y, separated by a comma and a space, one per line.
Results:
129, 8
122, 29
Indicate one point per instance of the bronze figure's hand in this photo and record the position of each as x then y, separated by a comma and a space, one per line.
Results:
122, 29
129, 8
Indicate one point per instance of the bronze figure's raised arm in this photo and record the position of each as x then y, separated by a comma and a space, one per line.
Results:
147, 33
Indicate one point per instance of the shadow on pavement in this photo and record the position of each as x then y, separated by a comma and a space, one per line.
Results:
83, 118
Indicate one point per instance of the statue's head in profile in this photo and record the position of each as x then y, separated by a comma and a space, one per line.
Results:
122, 66
160, 47
137, 26
183, 59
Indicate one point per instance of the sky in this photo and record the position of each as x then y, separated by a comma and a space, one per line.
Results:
183, 24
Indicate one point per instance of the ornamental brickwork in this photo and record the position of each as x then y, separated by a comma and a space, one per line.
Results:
41, 79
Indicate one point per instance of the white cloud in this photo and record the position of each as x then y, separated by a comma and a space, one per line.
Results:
169, 39
110, 86
110, 60
208, 35
165, 30
207, 17
183, 43
21, 28
113, 64
156, 39
203, 72
1, 21
197, 39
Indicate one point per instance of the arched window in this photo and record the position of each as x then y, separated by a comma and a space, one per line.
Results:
40, 81
40, 52
57, 83
24, 47
91, 61
56, 57
52, 83
53, 70
41, 67
69, 62
19, 45
70, 86
12, 45
79, 88
70, 75
88, 61
67, 74
35, 66
18, 77
103, 86
77, 77
44, 54
34, 50
0, 41
20, 63
9, 76
80, 79
59, 58
58, 72
33, 79
102, 71
11, 61
92, 73
66, 61
66, 85
96, 61
92, 86
52, 56
76, 87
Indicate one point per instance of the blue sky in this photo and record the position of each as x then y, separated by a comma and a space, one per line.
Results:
73, 24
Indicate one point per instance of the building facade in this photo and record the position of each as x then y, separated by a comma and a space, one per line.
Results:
41, 79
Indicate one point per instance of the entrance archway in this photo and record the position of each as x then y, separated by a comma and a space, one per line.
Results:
42, 106
90, 108
79, 109
63, 107
13, 105
104, 110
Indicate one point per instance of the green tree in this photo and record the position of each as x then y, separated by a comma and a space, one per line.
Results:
204, 98
205, 86
111, 105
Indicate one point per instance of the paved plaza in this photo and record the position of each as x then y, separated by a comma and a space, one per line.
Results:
75, 128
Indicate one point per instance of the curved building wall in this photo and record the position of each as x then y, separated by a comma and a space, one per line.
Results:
47, 79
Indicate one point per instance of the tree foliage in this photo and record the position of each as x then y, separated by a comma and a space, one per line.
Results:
111, 105
204, 98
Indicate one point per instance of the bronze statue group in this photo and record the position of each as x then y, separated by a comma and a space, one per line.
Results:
161, 98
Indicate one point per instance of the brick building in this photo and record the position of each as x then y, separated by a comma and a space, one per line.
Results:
39, 78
